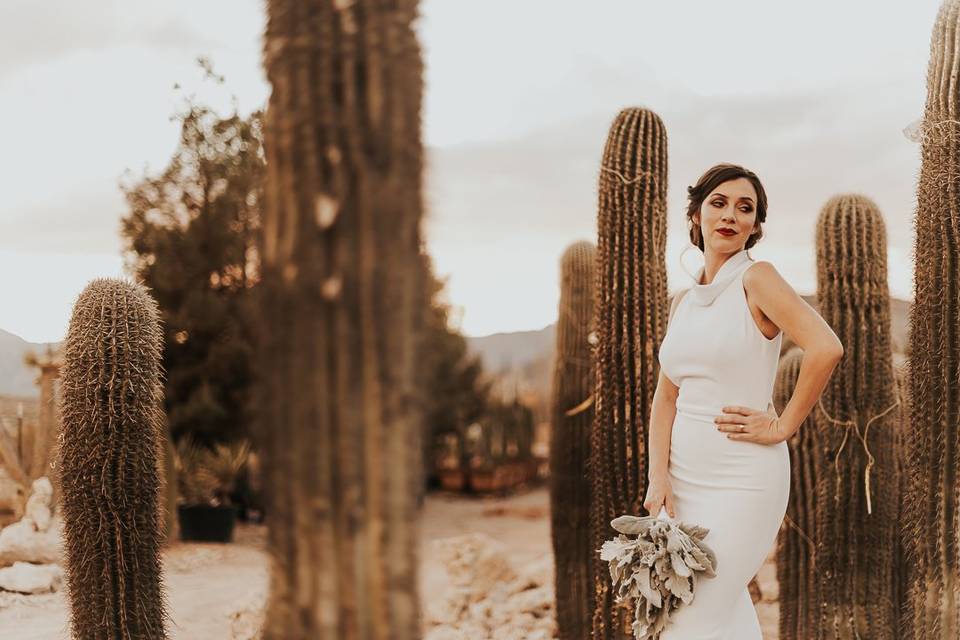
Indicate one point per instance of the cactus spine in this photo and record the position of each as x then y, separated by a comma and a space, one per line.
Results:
796, 544
573, 379
934, 443
110, 463
856, 548
631, 318
339, 427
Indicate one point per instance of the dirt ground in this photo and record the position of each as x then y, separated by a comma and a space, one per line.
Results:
215, 590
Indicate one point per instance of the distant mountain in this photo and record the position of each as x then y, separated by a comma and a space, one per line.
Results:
508, 351
16, 379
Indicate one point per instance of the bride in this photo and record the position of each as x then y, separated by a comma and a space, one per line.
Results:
718, 452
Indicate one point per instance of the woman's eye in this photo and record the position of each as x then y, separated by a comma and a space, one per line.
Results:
717, 203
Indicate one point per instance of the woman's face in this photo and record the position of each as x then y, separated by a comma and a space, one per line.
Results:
732, 205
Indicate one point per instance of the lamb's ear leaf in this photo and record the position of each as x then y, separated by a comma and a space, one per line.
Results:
632, 525
694, 531
642, 578
679, 566
680, 587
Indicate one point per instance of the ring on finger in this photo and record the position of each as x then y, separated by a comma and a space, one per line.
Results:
742, 428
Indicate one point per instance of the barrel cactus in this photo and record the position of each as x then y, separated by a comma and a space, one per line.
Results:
572, 416
857, 487
933, 531
339, 424
630, 321
796, 547
110, 463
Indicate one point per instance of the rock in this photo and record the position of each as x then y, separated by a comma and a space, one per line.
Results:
24, 577
488, 599
21, 542
246, 620
12, 497
39, 504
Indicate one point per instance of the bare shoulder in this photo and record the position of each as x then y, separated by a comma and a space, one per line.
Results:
763, 278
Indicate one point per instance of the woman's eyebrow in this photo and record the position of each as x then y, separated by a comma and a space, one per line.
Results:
726, 196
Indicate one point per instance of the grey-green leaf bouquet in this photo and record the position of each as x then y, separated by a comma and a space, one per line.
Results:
656, 572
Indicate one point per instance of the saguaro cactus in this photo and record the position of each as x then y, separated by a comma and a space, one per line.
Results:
338, 423
857, 486
933, 531
796, 544
110, 465
630, 319
573, 380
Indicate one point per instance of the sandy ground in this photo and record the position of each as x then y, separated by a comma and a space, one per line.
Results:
209, 584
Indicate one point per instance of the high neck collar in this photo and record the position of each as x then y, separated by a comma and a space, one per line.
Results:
704, 294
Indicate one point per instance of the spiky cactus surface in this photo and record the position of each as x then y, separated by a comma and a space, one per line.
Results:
339, 424
573, 381
933, 532
110, 464
630, 320
901, 451
796, 544
856, 528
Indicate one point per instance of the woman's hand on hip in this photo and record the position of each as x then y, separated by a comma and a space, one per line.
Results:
659, 493
750, 425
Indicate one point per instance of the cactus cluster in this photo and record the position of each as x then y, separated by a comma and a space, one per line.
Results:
573, 378
339, 426
630, 321
933, 486
109, 463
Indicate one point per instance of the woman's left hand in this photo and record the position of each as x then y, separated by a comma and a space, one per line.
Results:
750, 425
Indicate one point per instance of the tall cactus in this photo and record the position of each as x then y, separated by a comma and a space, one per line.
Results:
857, 488
573, 379
341, 276
110, 463
934, 444
631, 318
796, 546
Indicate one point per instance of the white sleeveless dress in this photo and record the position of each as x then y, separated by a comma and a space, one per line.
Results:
716, 354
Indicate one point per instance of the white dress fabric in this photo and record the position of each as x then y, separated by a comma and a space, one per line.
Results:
716, 354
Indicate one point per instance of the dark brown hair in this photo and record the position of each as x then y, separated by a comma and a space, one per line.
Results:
713, 177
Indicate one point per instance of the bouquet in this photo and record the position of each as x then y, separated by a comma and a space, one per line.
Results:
656, 572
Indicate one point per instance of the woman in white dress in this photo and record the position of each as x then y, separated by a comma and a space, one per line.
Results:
717, 449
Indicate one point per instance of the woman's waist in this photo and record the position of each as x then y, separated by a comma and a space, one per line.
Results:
708, 411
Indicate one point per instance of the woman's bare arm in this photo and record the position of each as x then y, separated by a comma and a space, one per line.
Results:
662, 413
822, 349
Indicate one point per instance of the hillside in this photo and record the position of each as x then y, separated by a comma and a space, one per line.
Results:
16, 379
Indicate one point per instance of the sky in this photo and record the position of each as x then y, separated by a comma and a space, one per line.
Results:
518, 99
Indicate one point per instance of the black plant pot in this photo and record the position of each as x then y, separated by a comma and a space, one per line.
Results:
204, 523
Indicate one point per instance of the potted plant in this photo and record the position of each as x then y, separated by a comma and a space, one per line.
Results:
207, 479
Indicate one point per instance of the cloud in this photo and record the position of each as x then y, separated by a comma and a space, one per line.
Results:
37, 33
500, 214
77, 222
